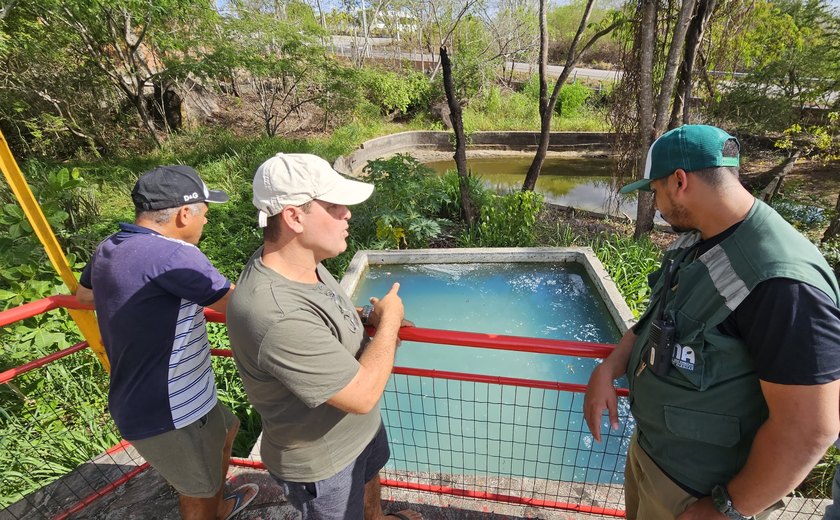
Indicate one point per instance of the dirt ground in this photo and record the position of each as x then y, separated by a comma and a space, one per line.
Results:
810, 181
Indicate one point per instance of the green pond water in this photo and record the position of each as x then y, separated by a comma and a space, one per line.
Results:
580, 182
475, 428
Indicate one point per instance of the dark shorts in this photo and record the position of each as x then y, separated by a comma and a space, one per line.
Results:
190, 458
342, 495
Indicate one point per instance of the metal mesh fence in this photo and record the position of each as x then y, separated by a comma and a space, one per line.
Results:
514, 444
58, 446
474, 438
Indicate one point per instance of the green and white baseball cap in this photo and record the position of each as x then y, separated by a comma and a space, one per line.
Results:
690, 148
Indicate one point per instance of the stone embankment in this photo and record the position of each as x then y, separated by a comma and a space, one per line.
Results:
501, 142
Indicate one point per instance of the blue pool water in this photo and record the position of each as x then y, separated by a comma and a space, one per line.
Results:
475, 428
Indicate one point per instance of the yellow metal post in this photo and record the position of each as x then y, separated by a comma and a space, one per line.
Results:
86, 320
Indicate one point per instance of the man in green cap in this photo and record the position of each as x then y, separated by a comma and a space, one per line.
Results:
734, 369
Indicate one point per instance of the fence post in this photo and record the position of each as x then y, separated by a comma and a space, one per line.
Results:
85, 320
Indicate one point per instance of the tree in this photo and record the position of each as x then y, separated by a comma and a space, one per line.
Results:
820, 142
439, 21
50, 102
547, 103
650, 71
788, 58
364, 13
514, 33
460, 139
281, 57
680, 112
132, 43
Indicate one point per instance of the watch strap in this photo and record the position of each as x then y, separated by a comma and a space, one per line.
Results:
723, 503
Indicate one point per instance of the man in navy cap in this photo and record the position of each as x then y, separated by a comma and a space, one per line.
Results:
734, 369
149, 284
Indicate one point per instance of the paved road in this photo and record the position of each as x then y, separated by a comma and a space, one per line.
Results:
382, 48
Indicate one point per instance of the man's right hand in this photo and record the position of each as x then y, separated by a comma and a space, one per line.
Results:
390, 307
362, 393
600, 395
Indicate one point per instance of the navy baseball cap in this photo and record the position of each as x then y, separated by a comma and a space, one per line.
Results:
690, 148
171, 187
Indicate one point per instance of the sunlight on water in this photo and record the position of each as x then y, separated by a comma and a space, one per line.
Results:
471, 428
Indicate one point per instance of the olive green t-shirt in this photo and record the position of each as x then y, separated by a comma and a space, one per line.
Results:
296, 345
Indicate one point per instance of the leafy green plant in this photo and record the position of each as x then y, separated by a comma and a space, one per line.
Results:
54, 418
405, 207
629, 262
572, 99
802, 216
506, 221
395, 92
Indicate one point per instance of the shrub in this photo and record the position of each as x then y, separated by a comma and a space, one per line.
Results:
395, 92
506, 221
497, 110
404, 209
572, 99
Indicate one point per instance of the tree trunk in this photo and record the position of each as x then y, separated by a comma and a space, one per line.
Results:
644, 203
547, 103
545, 118
645, 209
140, 104
460, 139
667, 89
680, 114
778, 178
833, 231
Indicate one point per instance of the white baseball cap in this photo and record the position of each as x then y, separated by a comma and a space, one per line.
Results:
292, 179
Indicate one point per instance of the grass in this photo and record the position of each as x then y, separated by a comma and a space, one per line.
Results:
44, 442
51, 420
497, 110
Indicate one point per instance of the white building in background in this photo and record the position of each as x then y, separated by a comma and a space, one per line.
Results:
386, 20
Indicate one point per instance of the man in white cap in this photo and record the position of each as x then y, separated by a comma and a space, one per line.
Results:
734, 370
300, 345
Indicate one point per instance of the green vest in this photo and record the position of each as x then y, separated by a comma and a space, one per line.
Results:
698, 422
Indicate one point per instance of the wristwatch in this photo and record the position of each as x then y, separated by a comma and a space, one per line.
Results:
723, 503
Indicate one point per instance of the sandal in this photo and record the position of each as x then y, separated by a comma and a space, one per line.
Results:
240, 494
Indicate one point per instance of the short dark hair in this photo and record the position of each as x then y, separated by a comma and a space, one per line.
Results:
271, 231
731, 148
717, 176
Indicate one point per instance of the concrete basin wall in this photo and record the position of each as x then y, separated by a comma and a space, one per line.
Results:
619, 311
442, 141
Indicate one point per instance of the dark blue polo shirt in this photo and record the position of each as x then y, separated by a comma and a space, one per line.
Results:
150, 292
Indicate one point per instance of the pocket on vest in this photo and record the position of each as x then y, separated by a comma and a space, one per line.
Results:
711, 428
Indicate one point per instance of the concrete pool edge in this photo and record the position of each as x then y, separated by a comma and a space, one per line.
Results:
618, 308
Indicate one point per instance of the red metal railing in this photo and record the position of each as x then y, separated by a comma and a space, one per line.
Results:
444, 424
486, 341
